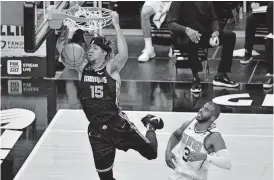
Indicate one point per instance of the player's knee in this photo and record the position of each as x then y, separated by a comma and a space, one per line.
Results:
105, 175
229, 37
146, 13
144, 16
105, 170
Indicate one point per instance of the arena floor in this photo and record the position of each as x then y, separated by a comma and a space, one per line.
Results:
55, 146
63, 152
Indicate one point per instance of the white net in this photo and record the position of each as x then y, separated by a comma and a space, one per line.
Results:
89, 19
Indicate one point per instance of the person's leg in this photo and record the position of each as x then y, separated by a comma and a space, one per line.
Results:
269, 55
269, 47
250, 30
269, 17
129, 137
227, 40
269, 61
192, 54
147, 11
185, 45
104, 166
103, 153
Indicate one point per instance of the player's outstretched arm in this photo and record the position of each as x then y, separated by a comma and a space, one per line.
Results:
222, 159
120, 59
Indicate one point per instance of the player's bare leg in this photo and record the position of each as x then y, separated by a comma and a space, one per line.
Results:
148, 52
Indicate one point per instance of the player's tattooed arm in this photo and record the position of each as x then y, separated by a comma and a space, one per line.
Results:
63, 39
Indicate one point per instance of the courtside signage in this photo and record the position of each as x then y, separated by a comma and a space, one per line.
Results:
13, 121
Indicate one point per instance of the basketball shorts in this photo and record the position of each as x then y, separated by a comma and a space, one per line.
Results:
117, 133
157, 5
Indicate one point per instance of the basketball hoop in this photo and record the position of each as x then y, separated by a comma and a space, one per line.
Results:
84, 18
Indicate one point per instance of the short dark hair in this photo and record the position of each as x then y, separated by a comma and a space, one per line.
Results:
103, 43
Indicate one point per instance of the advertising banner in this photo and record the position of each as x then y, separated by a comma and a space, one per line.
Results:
14, 60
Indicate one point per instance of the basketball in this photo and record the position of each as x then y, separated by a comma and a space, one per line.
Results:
72, 55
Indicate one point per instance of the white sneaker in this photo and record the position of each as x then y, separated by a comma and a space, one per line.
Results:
147, 53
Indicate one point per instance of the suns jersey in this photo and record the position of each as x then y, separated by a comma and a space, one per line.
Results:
192, 141
99, 94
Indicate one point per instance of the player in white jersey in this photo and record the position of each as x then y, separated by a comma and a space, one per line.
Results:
197, 144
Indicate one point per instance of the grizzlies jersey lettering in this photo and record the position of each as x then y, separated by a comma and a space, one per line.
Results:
99, 94
192, 141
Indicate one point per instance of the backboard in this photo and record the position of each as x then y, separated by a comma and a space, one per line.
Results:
36, 26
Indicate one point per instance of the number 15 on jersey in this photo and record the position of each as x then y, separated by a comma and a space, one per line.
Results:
96, 91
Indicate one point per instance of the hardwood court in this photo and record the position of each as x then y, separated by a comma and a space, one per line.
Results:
63, 152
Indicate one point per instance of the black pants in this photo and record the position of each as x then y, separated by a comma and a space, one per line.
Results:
252, 21
269, 17
227, 40
117, 133
269, 55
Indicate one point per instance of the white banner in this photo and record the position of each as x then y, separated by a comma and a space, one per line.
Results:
12, 43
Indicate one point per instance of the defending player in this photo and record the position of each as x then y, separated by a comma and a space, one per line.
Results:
99, 90
195, 145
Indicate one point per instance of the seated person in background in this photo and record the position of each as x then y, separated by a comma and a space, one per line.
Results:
252, 21
269, 47
193, 25
150, 8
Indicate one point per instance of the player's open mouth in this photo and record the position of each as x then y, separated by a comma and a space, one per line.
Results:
199, 116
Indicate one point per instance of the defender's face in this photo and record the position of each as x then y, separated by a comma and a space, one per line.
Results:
95, 53
205, 113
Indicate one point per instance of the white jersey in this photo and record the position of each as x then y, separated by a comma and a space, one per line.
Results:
192, 140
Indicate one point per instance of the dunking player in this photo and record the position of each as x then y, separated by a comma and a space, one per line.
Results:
195, 145
99, 87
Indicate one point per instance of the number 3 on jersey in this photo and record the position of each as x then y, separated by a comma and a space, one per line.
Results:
97, 91
187, 151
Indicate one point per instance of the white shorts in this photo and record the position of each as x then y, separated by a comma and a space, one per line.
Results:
157, 5
153, 4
